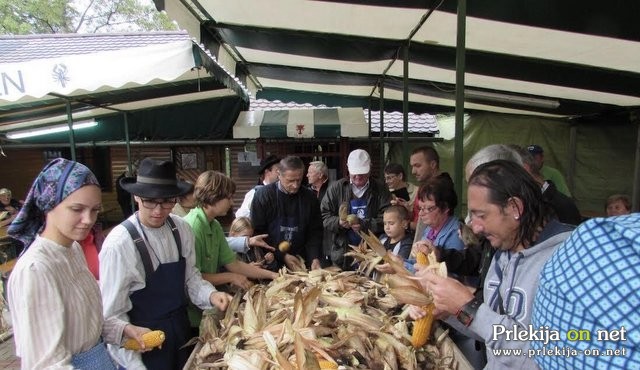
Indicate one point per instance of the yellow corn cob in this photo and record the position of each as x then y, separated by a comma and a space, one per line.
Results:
421, 259
326, 364
422, 327
151, 339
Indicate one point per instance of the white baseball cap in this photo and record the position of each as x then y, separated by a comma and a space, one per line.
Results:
359, 162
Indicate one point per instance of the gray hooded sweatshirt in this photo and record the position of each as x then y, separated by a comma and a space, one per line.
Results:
509, 289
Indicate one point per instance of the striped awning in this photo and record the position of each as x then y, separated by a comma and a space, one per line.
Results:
301, 123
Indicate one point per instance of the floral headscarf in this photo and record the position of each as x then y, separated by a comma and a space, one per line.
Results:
55, 182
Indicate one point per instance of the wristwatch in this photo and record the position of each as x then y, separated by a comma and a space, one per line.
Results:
467, 313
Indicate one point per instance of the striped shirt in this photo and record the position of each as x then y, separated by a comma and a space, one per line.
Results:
55, 305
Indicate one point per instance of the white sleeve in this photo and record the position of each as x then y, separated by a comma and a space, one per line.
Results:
245, 208
238, 244
119, 277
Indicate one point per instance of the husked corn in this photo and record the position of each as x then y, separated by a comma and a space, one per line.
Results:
422, 328
151, 339
326, 364
421, 259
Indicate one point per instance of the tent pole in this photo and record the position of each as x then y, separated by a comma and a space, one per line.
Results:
573, 143
405, 107
382, 153
459, 132
72, 139
635, 197
128, 144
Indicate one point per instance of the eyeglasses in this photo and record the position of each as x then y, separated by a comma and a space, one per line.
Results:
390, 177
152, 204
428, 209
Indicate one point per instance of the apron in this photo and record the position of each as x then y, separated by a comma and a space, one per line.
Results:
162, 305
95, 358
286, 226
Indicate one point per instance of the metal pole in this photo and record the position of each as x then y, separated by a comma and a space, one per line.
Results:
72, 139
635, 197
129, 165
573, 144
405, 108
382, 155
460, 66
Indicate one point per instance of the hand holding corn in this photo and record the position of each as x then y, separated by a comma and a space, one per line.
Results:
422, 326
150, 339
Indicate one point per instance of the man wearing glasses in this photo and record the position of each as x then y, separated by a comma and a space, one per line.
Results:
147, 269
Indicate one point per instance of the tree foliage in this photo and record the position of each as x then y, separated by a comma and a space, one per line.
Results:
19, 17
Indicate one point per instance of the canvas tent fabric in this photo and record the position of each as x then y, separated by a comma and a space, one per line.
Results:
301, 123
73, 75
547, 58
101, 75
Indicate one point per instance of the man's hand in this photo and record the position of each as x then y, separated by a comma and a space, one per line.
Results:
220, 300
449, 295
315, 264
136, 332
293, 263
258, 241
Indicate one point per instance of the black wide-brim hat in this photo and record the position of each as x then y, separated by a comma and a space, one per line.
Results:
266, 163
155, 180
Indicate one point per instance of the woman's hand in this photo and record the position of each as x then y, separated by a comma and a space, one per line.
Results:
424, 246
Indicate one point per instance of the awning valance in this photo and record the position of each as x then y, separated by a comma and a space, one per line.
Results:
301, 123
73, 74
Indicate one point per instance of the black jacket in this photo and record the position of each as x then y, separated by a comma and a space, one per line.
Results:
378, 199
269, 203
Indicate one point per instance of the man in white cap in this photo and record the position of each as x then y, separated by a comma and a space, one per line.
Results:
365, 197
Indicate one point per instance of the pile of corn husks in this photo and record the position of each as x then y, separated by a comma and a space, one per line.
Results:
320, 319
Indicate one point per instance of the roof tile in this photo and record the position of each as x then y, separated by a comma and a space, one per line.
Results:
14, 49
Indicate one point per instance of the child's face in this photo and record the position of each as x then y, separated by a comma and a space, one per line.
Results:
394, 227
246, 232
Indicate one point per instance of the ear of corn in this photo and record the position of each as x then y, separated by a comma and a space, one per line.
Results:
326, 364
422, 327
343, 211
421, 259
151, 339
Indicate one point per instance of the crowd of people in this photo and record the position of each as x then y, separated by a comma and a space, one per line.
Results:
516, 263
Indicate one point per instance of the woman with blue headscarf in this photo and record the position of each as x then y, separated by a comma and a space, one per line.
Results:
55, 302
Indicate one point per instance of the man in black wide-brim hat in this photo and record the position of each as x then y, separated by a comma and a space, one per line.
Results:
147, 263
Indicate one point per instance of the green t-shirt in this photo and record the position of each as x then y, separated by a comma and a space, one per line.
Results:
212, 250
550, 173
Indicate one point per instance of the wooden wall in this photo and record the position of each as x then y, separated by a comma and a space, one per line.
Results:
20, 166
